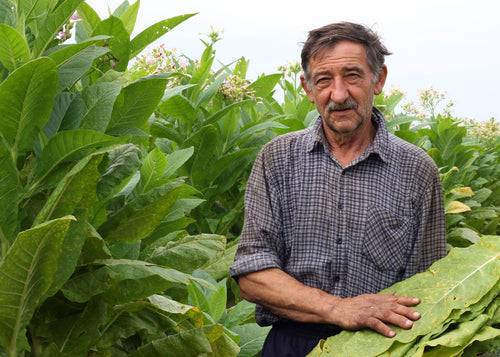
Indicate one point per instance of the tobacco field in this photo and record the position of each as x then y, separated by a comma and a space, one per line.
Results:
122, 177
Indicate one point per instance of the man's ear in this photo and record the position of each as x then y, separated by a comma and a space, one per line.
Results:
308, 91
379, 84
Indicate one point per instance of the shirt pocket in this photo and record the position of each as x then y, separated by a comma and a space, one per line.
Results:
386, 239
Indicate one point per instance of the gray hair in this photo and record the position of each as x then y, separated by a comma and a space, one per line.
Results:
328, 36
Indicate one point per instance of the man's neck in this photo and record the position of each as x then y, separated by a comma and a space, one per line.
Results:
347, 147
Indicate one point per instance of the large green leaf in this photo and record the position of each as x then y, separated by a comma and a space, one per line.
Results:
76, 189
253, 128
179, 107
152, 170
6, 10
219, 268
464, 281
209, 340
26, 274
264, 85
148, 319
14, 50
139, 218
63, 53
52, 23
222, 164
213, 118
189, 253
174, 307
252, 338
154, 32
235, 171
177, 311
456, 340
136, 103
123, 163
34, 8
176, 159
129, 16
71, 145
218, 301
94, 248
119, 43
27, 99
205, 144
201, 74
75, 335
71, 250
209, 92
239, 313
62, 102
448, 142
123, 280
187, 343
89, 19
98, 102
9, 196
75, 66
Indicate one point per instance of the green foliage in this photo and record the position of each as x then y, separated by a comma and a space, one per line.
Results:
219, 116
460, 310
123, 186
95, 256
27, 272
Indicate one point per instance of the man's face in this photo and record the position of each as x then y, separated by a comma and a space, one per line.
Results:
342, 86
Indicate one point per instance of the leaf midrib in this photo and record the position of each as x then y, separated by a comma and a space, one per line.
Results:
29, 274
459, 283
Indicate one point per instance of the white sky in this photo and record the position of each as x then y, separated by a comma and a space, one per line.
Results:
450, 45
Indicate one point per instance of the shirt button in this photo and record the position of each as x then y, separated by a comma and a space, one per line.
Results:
339, 241
401, 271
341, 205
336, 279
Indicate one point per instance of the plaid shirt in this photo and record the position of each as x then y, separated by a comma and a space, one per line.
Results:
347, 231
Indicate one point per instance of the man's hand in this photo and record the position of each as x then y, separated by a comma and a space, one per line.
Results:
287, 297
374, 311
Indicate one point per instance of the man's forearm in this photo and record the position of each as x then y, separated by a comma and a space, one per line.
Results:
285, 296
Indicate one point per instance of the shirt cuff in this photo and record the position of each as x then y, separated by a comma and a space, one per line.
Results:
252, 263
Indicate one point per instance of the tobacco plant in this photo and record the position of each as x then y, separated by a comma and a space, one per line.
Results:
122, 188
94, 256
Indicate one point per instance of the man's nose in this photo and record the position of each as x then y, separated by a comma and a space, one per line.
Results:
339, 92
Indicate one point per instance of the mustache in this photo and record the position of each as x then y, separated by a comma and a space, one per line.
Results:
349, 103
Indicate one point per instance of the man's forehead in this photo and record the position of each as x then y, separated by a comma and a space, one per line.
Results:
347, 53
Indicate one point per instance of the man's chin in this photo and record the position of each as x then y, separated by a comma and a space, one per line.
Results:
343, 125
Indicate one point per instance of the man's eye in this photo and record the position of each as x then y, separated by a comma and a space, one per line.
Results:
353, 76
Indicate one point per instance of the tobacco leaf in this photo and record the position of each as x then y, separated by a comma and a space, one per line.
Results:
465, 281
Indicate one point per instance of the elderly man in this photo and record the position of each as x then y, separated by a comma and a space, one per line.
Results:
339, 211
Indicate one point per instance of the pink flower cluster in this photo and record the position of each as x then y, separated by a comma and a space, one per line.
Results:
290, 68
65, 32
159, 60
235, 89
484, 132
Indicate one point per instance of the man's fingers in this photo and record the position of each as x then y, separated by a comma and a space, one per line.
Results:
406, 311
378, 326
407, 300
397, 315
